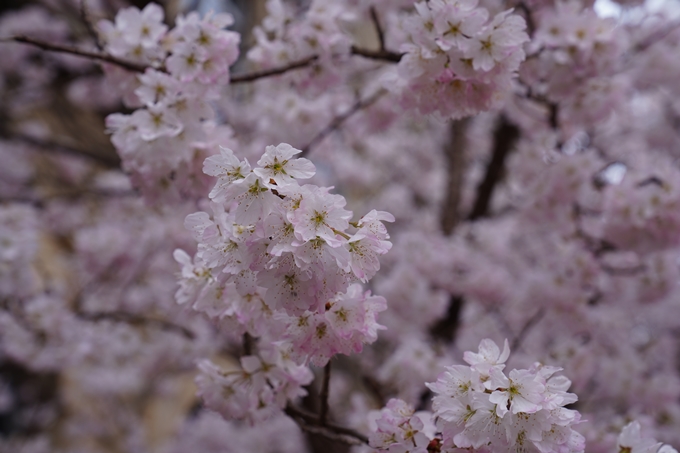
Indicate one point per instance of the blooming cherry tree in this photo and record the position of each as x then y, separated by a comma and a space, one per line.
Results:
327, 231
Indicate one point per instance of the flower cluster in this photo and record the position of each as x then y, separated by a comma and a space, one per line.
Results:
398, 429
136, 34
186, 67
281, 258
259, 389
478, 405
459, 61
578, 57
643, 215
631, 441
319, 32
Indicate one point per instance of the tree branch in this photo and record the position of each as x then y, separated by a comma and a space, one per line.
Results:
531, 25
384, 55
247, 344
39, 203
376, 388
249, 77
553, 107
622, 271
340, 119
136, 320
446, 328
235, 79
378, 28
330, 435
306, 419
505, 136
381, 54
110, 161
325, 388
656, 36
531, 322
92, 55
454, 152
87, 20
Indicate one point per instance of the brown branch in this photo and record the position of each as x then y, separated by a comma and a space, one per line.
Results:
500, 320
378, 28
87, 20
323, 395
531, 322
653, 38
249, 77
554, 116
384, 55
531, 25
247, 344
445, 329
39, 203
596, 246
505, 136
553, 107
651, 181
110, 161
622, 271
308, 419
92, 55
340, 119
454, 152
135, 320
24, 199
330, 435
375, 388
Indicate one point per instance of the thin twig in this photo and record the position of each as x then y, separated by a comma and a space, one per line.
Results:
309, 419
655, 37
133, 319
323, 395
378, 28
61, 48
531, 322
384, 55
39, 203
500, 320
622, 271
110, 161
303, 63
553, 107
23, 199
322, 431
238, 78
87, 20
251, 76
340, 119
